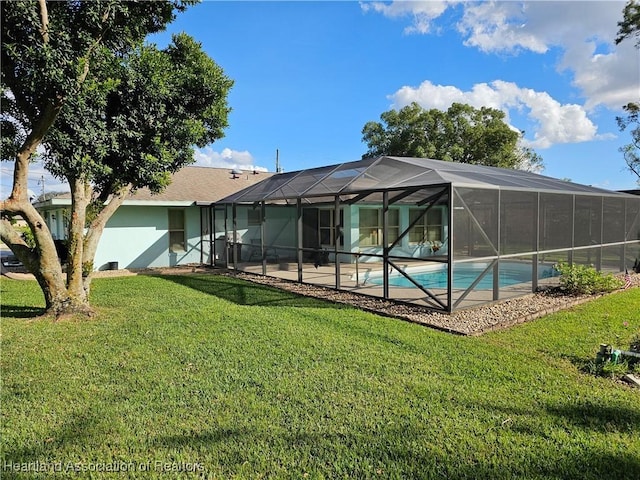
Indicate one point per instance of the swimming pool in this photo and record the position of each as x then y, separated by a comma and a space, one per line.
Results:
464, 274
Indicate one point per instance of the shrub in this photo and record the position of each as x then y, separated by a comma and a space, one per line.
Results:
582, 279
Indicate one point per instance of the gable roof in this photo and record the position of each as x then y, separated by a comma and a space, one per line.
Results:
190, 185
395, 173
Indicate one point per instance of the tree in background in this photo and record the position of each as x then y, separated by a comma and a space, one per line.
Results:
462, 134
629, 27
112, 115
631, 151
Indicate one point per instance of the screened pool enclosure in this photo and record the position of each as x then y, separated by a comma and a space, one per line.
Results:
440, 234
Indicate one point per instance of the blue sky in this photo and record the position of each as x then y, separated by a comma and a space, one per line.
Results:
309, 75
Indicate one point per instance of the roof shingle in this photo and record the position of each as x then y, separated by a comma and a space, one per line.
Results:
201, 184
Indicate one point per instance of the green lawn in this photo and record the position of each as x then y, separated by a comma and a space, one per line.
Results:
236, 380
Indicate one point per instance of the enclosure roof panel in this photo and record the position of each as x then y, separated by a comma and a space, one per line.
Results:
391, 173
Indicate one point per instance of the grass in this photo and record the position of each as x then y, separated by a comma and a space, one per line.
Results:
213, 377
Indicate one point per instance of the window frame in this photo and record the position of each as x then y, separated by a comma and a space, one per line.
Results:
254, 217
425, 226
329, 229
172, 231
376, 231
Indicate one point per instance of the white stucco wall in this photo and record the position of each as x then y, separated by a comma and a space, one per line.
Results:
138, 237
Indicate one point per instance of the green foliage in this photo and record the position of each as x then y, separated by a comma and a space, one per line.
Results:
39, 69
27, 235
461, 134
87, 268
630, 24
113, 114
629, 27
251, 382
585, 280
613, 370
631, 151
139, 117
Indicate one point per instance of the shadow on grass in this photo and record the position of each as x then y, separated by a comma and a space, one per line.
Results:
605, 418
585, 465
21, 311
77, 430
401, 453
246, 293
587, 416
585, 365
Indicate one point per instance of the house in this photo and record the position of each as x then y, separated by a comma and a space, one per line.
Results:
441, 234
160, 230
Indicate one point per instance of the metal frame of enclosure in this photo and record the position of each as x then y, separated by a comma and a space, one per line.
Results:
440, 234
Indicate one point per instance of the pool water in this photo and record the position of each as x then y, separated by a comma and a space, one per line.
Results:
465, 274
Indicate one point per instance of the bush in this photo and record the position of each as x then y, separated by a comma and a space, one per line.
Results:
584, 280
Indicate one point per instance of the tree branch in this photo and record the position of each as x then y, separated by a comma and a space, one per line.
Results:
98, 40
44, 18
18, 246
19, 192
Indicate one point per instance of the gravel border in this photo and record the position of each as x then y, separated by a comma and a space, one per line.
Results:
472, 321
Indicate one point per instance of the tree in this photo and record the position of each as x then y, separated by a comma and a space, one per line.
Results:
630, 24
112, 114
132, 131
631, 151
461, 134
630, 27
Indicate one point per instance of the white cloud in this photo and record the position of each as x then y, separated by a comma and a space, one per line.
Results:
422, 12
584, 33
610, 79
208, 157
553, 122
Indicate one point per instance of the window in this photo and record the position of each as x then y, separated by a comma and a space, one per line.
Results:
253, 217
176, 231
371, 226
428, 228
326, 227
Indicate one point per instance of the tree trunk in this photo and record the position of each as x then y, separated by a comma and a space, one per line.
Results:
43, 260
95, 231
80, 196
